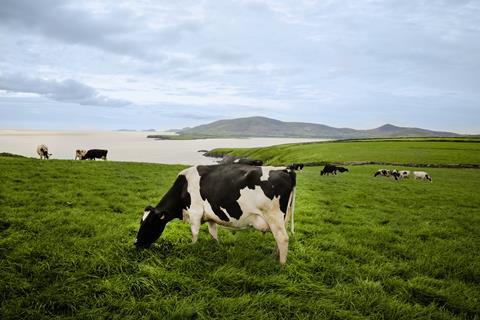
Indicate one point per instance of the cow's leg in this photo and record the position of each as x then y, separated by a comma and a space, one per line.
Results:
277, 226
212, 228
195, 222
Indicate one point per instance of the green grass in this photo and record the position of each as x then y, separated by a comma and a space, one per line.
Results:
404, 151
364, 248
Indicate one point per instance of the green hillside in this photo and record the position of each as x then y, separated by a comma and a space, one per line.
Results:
405, 151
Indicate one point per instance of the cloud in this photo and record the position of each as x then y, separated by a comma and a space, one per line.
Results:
118, 30
64, 91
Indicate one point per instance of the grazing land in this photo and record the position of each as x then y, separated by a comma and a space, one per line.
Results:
364, 247
420, 151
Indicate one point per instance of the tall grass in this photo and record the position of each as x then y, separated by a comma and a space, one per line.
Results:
364, 247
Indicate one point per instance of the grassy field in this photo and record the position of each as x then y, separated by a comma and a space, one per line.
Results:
364, 247
404, 151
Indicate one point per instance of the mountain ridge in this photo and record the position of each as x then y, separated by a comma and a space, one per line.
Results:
268, 127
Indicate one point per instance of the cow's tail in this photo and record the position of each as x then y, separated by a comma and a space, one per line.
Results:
291, 211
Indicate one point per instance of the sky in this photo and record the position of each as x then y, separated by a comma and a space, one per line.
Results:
118, 64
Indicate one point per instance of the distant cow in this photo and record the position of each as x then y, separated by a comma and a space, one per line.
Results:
387, 173
404, 174
329, 169
382, 173
395, 174
93, 154
42, 151
79, 153
235, 196
422, 175
296, 166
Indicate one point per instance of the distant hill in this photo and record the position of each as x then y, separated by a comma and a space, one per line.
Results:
266, 127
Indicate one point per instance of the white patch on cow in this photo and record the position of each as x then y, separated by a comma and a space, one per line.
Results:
145, 215
254, 200
195, 211
226, 212
266, 172
236, 161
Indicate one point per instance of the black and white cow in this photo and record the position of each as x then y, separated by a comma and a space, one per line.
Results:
383, 173
235, 196
92, 154
404, 174
388, 173
329, 169
42, 151
396, 174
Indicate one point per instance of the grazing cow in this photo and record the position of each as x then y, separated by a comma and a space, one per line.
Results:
342, 169
235, 196
404, 174
79, 153
296, 166
395, 174
42, 151
422, 175
383, 173
329, 169
92, 154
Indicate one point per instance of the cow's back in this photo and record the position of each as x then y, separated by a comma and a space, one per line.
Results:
232, 189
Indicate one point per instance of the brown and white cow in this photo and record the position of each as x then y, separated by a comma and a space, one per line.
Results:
42, 151
79, 153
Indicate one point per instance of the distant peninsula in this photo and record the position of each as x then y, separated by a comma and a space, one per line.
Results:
270, 128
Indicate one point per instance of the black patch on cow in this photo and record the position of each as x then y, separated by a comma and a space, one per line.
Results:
95, 153
176, 199
221, 185
170, 207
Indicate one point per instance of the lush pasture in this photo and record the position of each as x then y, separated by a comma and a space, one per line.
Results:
406, 151
364, 247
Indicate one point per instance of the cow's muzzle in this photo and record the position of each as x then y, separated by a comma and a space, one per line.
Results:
141, 245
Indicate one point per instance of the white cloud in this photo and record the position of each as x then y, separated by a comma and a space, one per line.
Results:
65, 90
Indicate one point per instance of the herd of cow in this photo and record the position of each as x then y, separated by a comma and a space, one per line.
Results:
81, 154
236, 194
402, 174
397, 174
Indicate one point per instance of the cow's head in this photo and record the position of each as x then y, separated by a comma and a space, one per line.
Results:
152, 224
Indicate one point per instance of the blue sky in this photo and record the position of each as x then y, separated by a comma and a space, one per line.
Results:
171, 64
